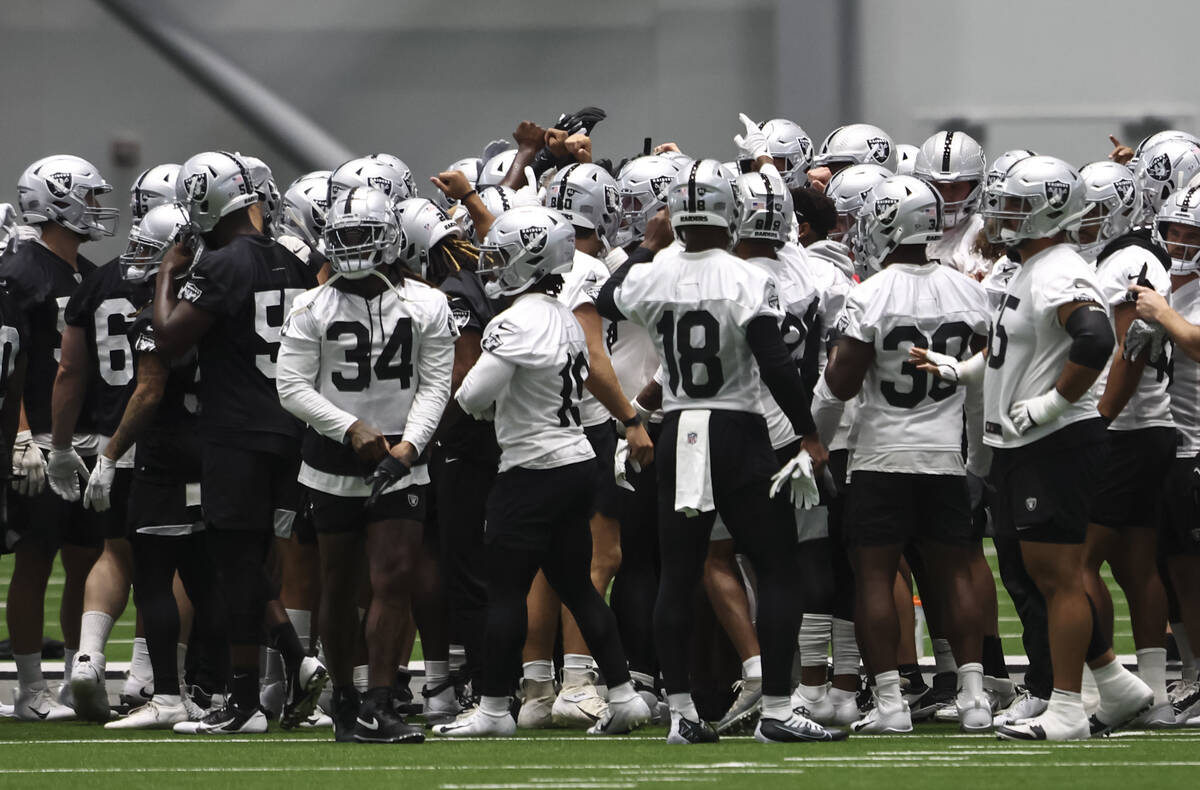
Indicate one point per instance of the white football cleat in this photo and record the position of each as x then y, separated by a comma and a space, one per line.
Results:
1024, 706
88, 689
845, 708
157, 714
40, 705
441, 707
743, 713
1000, 692
1185, 700
1047, 727
974, 713
622, 717
881, 720
271, 698
579, 705
477, 724
1119, 709
820, 708
1158, 717
536, 706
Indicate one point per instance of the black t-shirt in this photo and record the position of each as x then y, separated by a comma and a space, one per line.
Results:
41, 283
248, 286
14, 337
104, 306
170, 446
471, 310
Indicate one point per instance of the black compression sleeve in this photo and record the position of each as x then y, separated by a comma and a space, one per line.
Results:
1092, 337
604, 302
779, 373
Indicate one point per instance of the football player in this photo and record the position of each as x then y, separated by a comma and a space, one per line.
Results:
953, 163
59, 197
302, 219
531, 375
231, 307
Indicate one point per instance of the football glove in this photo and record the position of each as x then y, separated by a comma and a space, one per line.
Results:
1143, 335
1031, 412
622, 464
389, 471
753, 143
100, 484
803, 491
64, 468
29, 466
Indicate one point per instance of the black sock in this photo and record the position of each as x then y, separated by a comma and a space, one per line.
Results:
912, 673
244, 686
283, 638
993, 657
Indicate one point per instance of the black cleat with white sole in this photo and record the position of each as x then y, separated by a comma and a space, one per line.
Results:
795, 729
685, 731
378, 722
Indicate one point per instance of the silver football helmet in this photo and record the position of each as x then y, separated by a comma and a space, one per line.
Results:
906, 158
422, 225
1181, 208
1158, 137
9, 235
857, 144
149, 240
524, 245
361, 231
304, 205
1162, 169
213, 185
587, 196
766, 207
642, 185
950, 157
898, 210
494, 169
153, 187
787, 141
265, 187
63, 189
379, 171
1037, 198
1002, 163
703, 195
1113, 203
848, 189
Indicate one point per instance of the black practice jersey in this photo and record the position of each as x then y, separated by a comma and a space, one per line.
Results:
471, 310
104, 307
14, 338
169, 446
248, 287
41, 283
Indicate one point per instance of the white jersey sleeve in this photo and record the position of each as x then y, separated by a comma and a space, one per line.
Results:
1184, 388
581, 286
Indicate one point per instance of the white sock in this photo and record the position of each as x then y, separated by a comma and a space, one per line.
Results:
943, 656
752, 668
94, 630
168, 699
682, 705
141, 672
578, 662
622, 693
360, 678
540, 670
272, 666
1066, 705
815, 633
970, 679
458, 658
1186, 657
887, 688
302, 622
29, 671
494, 706
838, 696
778, 708
68, 660
1110, 678
813, 693
846, 657
1152, 667
436, 673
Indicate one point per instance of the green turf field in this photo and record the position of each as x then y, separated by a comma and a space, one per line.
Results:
79, 755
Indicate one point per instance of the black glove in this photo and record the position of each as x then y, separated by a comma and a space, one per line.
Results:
584, 120
389, 471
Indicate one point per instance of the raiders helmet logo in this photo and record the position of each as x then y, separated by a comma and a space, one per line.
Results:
384, 185
59, 184
659, 185
461, 316
1159, 168
885, 210
881, 149
1057, 193
805, 147
612, 201
1125, 191
318, 209
534, 238
197, 186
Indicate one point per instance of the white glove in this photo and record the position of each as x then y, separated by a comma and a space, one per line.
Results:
1026, 414
803, 492
947, 366
64, 468
100, 484
620, 470
753, 143
1143, 335
29, 466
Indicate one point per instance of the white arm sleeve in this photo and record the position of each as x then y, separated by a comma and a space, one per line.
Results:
296, 370
979, 455
435, 364
483, 384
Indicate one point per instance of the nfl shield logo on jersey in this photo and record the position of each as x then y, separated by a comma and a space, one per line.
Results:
692, 437
1056, 193
534, 238
197, 186
880, 149
59, 184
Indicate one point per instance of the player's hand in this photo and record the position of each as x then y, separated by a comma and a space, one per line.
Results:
943, 366
799, 479
389, 471
1121, 154
453, 183
368, 444
819, 177
100, 484
1150, 304
1144, 335
753, 143
29, 466
816, 451
974, 491
579, 146
64, 468
176, 260
663, 148
1027, 414
641, 447
659, 233
556, 141
530, 136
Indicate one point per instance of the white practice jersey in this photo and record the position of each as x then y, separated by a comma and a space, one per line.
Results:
581, 286
911, 421
996, 281
1150, 406
956, 248
634, 358
696, 306
385, 360
538, 418
1028, 347
1184, 388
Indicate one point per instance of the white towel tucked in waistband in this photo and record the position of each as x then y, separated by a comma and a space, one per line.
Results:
693, 470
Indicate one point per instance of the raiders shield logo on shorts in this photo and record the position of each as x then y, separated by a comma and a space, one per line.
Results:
1056, 193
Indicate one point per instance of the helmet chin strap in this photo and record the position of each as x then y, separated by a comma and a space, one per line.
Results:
362, 275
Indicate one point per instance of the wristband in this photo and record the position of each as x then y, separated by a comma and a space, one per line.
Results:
463, 199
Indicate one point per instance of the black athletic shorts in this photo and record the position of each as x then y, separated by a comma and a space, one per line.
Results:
338, 514
116, 518
889, 508
603, 438
1045, 490
249, 489
1131, 488
156, 501
49, 521
1181, 509
527, 506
